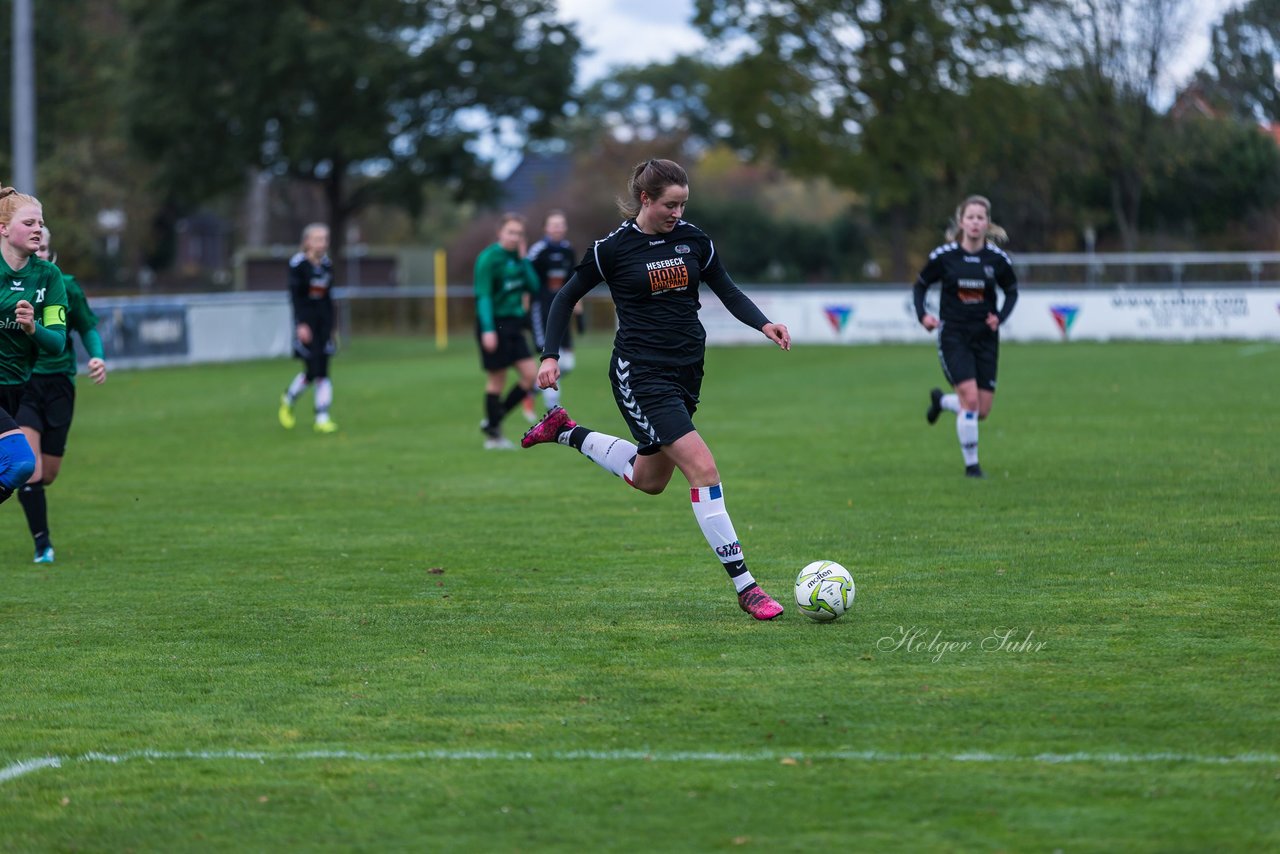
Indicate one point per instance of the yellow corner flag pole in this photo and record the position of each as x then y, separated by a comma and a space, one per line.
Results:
442, 302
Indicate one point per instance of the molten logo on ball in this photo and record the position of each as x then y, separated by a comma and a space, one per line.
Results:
824, 590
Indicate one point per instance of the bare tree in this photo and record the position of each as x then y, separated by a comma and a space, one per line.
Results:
1115, 58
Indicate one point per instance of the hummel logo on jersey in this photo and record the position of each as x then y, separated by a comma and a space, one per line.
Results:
969, 259
657, 242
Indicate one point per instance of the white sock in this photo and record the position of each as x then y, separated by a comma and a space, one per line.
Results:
550, 397
950, 402
967, 433
296, 388
717, 527
324, 397
614, 455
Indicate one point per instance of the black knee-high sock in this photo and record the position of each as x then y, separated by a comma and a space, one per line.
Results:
493, 412
515, 397
34, 505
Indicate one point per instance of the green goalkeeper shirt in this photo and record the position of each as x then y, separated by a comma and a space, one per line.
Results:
81, 319
39, 283
502, 279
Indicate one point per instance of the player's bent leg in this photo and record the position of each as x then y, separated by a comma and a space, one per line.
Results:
935, 406
32, 436
985, 401
613, 454
17, 462
652, 472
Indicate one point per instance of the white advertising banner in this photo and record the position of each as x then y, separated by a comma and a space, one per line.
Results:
181, 330
879, 316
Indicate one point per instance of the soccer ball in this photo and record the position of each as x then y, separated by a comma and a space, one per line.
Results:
824, 590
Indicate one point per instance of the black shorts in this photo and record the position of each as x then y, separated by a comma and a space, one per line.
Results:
316, 354
656, 401
48, 402
10, 401
513, 344
969, 353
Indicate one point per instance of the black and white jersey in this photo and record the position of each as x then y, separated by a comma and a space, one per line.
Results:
309, 289
968, 281
654, 280
552, 260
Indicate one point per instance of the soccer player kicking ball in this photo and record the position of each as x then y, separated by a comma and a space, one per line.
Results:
653, 263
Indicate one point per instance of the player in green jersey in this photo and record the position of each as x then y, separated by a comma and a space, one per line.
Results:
33, 319
505, 281
48, 403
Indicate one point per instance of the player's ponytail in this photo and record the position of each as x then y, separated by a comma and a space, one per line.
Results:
651, 177
995, 232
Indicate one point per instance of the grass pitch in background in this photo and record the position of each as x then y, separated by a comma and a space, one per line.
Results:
224, 587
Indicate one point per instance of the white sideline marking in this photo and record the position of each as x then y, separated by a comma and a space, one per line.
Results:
26, 766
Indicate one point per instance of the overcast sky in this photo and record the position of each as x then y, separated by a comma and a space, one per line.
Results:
627, 32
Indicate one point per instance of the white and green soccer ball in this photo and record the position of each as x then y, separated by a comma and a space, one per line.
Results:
824, 590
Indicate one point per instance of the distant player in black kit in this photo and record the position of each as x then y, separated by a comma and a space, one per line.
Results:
310, 290
969, 332
653, 264
553, 261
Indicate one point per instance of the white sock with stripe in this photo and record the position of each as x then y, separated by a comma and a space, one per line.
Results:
717, 527
614, 455
296, 388
324, 399
967, 433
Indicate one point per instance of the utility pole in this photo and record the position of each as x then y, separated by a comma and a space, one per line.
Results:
24, 99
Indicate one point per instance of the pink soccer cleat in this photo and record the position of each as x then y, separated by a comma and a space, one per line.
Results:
759, 604
555, 422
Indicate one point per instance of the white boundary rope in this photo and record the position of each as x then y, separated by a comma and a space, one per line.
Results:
27, 766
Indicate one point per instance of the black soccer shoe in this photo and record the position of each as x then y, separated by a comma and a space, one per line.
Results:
974, 470
935, 406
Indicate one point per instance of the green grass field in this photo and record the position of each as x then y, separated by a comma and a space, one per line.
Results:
388, 638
